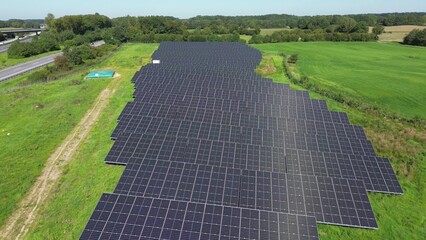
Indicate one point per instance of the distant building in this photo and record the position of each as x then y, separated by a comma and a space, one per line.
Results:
43, 26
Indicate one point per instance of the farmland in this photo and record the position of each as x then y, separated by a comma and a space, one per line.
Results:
397, 33
389, 76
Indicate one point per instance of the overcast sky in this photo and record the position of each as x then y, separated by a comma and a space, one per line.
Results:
29, 9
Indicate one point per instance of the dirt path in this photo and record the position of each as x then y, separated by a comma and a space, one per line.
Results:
20, 221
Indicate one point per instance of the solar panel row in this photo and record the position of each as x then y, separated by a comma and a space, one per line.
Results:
251, 108
130, 217
247, 135
376, 172
214, 151
330, 200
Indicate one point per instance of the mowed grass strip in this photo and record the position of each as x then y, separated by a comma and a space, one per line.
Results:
34, 120
389, 76
88, 176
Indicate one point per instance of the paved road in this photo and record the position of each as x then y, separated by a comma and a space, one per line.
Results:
16, 70
5, 47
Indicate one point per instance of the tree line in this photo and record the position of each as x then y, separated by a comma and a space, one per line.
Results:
309, 35
19, 23
78, 30
228, 24
305, 22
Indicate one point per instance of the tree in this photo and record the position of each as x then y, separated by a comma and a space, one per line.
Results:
346, 25
73, 56
378, 29
48, 20
2, 38
416, 37
361, 27
61, 62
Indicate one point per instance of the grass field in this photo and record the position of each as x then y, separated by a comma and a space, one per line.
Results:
87, 177
269, 31
245, 37
35, 119
390, 76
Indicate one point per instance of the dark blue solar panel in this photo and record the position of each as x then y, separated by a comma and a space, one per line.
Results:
129, 217
214, 151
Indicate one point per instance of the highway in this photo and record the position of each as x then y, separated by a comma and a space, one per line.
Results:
5, 47
16, 70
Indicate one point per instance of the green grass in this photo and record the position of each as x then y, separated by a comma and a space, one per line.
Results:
390, 76
87, 176
269, 31
245, 37
399, 217
5, 61
29, 134
35, 132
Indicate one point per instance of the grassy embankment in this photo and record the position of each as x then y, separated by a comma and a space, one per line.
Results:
39, 117
392, 76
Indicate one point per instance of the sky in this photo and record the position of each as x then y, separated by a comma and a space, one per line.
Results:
30, 9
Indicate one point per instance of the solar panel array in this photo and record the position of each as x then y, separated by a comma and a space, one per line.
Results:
214, 151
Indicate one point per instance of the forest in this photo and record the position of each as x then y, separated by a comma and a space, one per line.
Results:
79, 29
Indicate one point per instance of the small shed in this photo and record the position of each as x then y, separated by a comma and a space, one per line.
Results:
101, 74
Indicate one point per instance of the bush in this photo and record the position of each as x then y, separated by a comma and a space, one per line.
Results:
256, 39
41, 75
293, 59
20, 50
416, 37
73, 56
378, 29
37, 46
61, 63
197, 38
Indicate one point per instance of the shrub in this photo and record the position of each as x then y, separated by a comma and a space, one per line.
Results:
416, 37
37, 46
61, 63
378, 29
293, 59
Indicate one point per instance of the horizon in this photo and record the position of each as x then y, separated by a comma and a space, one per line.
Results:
186, 9
218, 15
